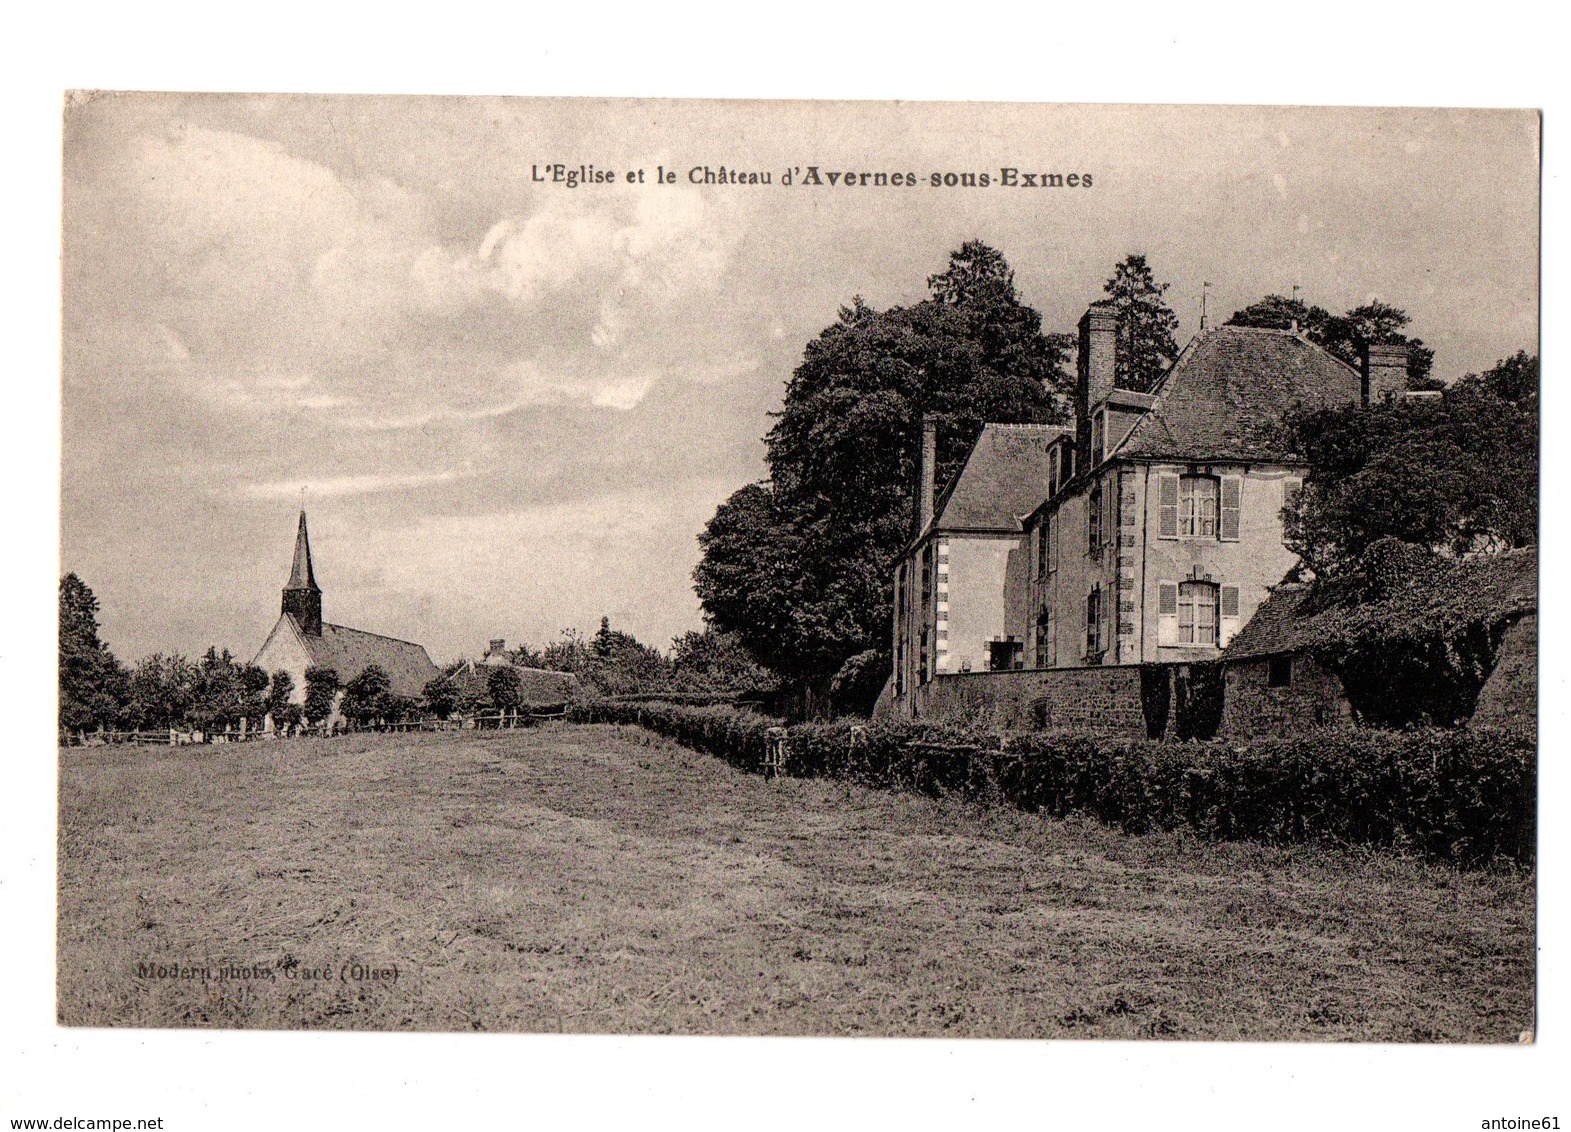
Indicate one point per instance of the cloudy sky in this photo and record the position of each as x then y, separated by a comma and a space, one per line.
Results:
512, 404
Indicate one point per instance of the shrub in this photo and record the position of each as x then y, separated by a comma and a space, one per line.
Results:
1467, 796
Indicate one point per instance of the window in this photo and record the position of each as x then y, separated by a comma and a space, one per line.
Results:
1094, 521
1197, 614
1200, 506
1055, 461
1098, 427
1005, 655
1279, 671
1197, 507
1050, 539
1094, 622
1045, 655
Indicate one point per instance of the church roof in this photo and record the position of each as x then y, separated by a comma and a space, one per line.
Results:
1226, 394
1004, 477
351, 651
301, 576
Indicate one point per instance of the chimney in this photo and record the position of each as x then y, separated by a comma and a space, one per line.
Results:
1097, 370
498, 646
926, 472
1385, 373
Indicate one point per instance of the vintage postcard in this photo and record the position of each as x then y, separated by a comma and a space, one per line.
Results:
789, 568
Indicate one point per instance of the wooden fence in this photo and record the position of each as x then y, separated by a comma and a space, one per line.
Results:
174, 737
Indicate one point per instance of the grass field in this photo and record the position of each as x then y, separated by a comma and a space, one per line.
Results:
602, 879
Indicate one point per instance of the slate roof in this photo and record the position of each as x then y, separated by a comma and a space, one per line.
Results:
301, 576
1004, 477
351, 651
1490, 587
1226, 394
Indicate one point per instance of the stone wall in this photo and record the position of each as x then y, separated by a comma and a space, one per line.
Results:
1100, 699
1252, 709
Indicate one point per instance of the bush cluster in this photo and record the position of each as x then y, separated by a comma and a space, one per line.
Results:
1465, 795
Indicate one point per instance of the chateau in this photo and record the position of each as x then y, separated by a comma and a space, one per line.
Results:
301, 639
1145, 534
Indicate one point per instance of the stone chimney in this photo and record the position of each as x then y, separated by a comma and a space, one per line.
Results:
496, 652
1096, 370
1098, 365
926, 473
1385, 373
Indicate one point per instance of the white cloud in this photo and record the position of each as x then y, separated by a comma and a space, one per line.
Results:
243, 260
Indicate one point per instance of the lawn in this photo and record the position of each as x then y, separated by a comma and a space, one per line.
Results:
601, 879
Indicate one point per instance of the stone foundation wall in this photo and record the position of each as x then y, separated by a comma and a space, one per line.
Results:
1105, 700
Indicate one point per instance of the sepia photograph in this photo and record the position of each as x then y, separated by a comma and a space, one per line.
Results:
783, 568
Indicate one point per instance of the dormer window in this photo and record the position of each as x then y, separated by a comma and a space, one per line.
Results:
1098, 437
1055, 461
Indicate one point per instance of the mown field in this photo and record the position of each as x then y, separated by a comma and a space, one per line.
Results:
601, 879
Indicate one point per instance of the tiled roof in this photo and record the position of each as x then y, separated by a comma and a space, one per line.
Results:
535, 685
1227, 392
1294, 619
1276, 626
350, 652
1004, 477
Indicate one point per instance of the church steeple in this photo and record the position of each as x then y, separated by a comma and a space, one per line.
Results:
302, 597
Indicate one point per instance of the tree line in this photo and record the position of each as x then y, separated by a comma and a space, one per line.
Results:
215, 693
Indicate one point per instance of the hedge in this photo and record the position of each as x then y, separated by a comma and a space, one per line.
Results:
1464, 795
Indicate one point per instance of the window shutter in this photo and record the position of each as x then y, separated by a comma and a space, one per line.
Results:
1232, 497
1290, 489
1167, 613
1229, 623
1168, 525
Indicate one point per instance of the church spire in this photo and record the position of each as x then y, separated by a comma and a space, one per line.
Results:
302, 596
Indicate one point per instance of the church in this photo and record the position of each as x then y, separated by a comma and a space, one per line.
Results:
301, 639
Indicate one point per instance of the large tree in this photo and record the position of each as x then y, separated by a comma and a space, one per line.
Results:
94, 685
321, 692
1450, 477
798, 567
1345, 335
163, 689
1145, 343
368, 698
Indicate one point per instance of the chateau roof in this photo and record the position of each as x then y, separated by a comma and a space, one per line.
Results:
351, 651
1226, 394
1492, 588
1004, 477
